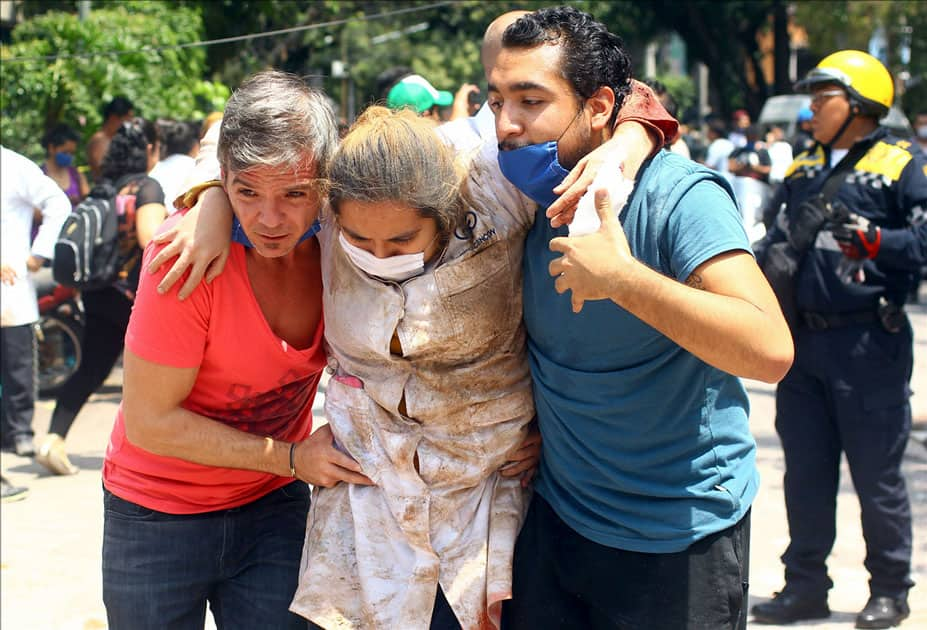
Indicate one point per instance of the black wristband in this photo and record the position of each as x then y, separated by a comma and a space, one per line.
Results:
292, 463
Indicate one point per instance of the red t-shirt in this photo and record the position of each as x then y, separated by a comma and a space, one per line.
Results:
248, 378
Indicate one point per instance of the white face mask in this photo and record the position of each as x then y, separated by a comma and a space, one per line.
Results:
922, 132
395, 268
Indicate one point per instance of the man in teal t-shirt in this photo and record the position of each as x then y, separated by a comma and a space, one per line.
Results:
641, 516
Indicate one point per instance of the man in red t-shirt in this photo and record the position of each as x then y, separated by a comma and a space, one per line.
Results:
205, 474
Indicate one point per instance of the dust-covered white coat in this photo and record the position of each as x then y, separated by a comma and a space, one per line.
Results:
374, 556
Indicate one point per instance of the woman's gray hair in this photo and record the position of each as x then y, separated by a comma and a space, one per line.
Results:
274, 119
397, 156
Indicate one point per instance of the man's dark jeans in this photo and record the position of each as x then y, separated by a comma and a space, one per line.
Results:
159, 570
563, 580
17, 354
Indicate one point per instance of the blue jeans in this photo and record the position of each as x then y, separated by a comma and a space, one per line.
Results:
159, 570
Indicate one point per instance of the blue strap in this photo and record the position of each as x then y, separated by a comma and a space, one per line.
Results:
239, 236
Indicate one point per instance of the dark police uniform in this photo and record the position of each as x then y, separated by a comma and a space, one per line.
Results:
848, 389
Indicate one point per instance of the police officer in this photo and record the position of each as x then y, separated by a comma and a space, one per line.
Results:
848, 388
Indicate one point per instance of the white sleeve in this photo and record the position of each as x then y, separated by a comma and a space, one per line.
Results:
488, 188
461, 134
474, 141
207, 162
43, 192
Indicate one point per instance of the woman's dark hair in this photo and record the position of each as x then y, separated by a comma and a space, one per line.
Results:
58, 135
128, 150
178, 136
590, 57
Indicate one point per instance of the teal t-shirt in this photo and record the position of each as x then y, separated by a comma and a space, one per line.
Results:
646, 447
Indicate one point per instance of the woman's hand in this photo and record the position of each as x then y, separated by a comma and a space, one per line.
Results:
200, 240
524, 460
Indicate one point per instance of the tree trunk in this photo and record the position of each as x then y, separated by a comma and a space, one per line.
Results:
782, 49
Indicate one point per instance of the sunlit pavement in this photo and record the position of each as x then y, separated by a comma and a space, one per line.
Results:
50, 542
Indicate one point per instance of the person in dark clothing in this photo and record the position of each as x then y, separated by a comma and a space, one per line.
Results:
132, 152
751, 160
115, 113
848, 390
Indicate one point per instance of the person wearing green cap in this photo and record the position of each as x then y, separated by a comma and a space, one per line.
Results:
415, 92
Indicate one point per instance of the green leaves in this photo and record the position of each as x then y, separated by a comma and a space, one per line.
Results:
120, 49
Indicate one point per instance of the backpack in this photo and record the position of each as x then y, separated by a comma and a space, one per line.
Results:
87, 250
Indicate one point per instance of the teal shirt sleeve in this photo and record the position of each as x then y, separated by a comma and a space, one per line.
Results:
704, 224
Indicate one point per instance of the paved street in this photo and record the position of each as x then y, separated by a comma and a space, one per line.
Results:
50, 542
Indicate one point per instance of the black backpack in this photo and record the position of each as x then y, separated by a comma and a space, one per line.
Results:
87, 250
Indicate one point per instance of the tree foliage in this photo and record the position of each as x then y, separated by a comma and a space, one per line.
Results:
722, 35
439, 40
162, 82
840, 24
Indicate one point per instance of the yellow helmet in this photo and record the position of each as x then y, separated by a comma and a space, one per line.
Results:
863, 76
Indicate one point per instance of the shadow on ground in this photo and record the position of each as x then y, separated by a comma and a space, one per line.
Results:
83, 462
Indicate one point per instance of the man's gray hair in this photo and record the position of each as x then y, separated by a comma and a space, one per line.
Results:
274, 119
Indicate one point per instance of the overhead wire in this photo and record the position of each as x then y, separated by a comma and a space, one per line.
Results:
235, 38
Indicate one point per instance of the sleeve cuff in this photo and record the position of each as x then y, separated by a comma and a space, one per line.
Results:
189, 198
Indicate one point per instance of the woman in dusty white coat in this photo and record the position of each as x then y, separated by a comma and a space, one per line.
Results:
430, 392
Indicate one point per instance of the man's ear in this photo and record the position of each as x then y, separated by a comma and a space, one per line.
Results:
601, 106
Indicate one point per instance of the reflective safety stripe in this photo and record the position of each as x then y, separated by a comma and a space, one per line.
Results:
884, 159
806, 160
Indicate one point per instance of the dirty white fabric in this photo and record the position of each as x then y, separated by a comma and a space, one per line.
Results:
374, 556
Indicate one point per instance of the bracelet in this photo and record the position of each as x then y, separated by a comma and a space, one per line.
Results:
292, 463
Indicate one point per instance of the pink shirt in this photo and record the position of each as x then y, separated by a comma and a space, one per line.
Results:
248, 378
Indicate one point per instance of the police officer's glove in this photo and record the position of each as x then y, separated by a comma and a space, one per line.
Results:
858, 238
812, 215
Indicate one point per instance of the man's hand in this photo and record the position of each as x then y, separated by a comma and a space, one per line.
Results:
461, 106
634, 143
318, 462
858, 238
34, 263
593, 266
202, 245
8, 275
524, 460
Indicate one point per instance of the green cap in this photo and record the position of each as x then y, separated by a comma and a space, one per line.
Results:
416, 92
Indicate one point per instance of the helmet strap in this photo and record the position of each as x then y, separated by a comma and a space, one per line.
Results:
854, 110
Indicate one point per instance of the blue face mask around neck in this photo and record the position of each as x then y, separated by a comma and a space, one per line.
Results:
534, 170
239, 236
